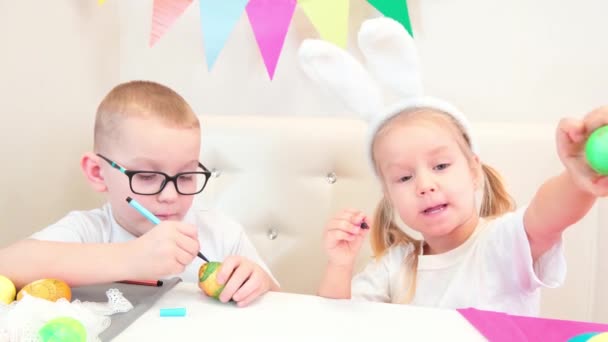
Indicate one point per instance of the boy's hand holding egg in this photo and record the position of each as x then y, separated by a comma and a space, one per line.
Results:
235, 279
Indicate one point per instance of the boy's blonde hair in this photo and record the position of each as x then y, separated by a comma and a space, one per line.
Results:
385, 232
142, 99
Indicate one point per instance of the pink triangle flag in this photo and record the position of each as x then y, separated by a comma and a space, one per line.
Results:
270, 21
164, 14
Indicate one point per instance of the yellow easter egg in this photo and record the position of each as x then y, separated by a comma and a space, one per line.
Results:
49, 289
7, 290
207, 279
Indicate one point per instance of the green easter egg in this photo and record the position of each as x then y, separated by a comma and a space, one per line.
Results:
207, 279
63, 329
596, 150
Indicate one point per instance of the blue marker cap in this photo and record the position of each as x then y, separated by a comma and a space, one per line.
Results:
173, 312
145, 212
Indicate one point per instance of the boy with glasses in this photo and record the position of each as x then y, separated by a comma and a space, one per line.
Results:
146, 147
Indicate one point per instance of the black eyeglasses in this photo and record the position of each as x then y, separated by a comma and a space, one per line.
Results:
153, 182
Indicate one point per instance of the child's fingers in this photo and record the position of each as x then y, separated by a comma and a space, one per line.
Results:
345, 226
588, 179
188, 229
250, 286
359, 239
228, 266
351, 211
572, 130
250, 298
570, 137
596, 119
335, 236
356, 219
350, 215
359, 219
238, 277
182, 257
601, 186
188, 244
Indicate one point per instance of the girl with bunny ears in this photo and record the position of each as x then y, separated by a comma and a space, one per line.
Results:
424, 153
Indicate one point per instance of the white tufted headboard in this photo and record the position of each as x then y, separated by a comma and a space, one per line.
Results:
283, 177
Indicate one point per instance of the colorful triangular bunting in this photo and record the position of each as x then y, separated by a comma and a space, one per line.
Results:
395, 9
164, 14
270, 21
218, 19
330, 18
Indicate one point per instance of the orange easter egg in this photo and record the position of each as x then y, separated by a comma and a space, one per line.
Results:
49, 289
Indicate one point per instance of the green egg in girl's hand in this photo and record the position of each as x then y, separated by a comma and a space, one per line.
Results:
207, 279
596, 150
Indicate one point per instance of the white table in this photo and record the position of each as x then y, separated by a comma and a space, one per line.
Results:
291, 317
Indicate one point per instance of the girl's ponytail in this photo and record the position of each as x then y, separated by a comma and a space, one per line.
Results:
496, 200
385, 234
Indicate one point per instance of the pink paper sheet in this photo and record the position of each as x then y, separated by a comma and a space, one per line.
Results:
497, 326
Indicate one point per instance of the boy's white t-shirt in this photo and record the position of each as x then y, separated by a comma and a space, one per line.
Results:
219, 236
493, 270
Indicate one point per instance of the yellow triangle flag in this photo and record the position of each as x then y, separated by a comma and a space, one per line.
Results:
329, 17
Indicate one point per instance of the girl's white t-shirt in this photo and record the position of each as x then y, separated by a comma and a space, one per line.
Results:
493, 270
218, 235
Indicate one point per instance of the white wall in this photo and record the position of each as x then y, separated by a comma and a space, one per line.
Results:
516, 61
57, 59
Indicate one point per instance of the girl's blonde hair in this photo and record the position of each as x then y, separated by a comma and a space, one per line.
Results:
386, 233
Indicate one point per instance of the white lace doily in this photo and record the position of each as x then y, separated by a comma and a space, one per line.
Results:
21, 320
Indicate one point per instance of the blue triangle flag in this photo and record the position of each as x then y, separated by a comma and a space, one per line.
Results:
218, 18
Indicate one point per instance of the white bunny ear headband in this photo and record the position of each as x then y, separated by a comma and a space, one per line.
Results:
392, 59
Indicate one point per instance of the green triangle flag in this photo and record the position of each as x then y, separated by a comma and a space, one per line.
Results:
395, 9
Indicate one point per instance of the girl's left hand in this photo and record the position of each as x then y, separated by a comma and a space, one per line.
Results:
572, 134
